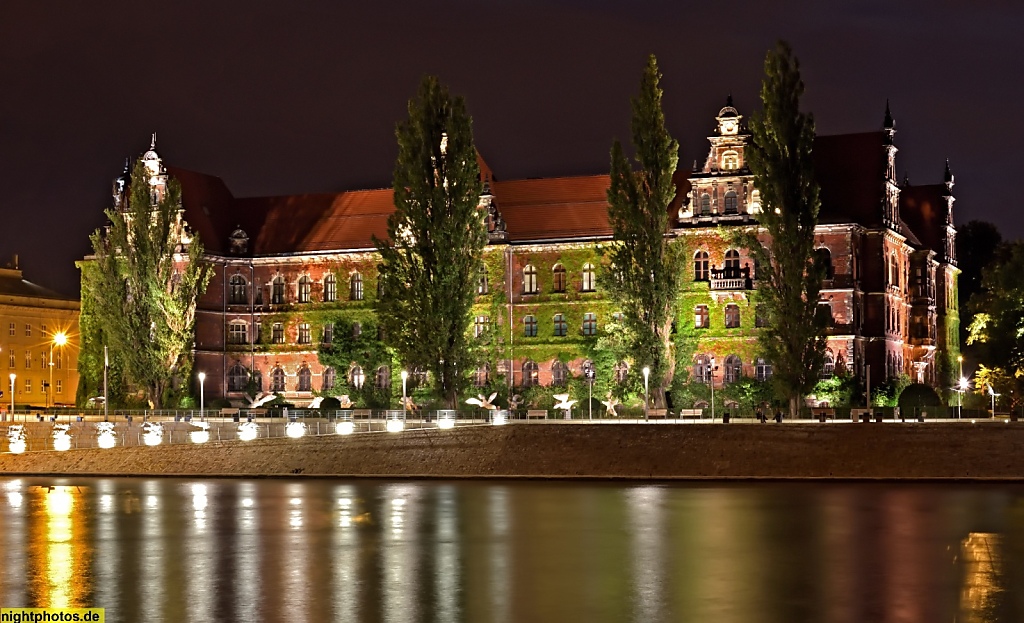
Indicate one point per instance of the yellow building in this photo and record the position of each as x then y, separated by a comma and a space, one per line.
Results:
38, 343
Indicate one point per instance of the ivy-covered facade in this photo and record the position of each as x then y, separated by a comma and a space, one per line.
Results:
290, 308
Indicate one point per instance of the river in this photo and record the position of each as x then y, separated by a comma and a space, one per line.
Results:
509, 551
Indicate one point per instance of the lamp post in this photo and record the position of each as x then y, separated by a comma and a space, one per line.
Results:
647, 375
960, 397
992, 392
59, 339
712, 375
405, 377
589, 373
13, 376
202, 401
106, 364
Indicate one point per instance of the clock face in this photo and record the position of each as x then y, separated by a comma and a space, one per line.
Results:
728, 127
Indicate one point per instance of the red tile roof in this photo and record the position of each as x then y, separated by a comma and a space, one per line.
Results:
554, 208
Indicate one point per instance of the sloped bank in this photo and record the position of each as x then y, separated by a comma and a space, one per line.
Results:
921, 451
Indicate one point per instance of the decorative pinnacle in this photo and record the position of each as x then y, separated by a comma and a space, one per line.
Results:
152, 142
728, 101
890, 124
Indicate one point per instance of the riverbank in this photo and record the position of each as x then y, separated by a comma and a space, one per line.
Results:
555, 450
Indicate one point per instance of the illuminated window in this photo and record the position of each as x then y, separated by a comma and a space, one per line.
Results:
705, 204
589, 278
530, 279
702, 369
330, 288
357, 377
730, 160
277, 293
558, 278
329, 378
755, 201
559, 374
277, 380
28, 386
28, 360
305, 379
530, 373
28, 330
238, 332
762, 370
382, 379
733, 368
701, 269
481, 284
561, 326
237, 294
305, 285
530, 326
356, 287
304, 334
60, 387
277, 333
830, 365
589, 324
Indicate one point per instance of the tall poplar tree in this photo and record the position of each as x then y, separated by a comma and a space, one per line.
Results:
645, 267
141, 293
430, 263
789, 274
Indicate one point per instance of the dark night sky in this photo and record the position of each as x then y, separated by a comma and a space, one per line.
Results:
281, 98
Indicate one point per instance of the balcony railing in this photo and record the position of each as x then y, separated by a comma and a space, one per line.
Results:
732, 284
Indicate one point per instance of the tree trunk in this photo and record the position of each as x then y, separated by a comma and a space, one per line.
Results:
794, 406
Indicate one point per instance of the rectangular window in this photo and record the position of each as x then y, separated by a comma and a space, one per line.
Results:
42, 329
278, 333
329, 333
28, 360
28, 330
480, 325
11, 330
561, 326
28, 386
59, 359
237, 333
530, 326
589, 324
60, 387
304, 337
10, 359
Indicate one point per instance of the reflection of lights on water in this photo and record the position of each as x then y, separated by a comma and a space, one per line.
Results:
445, 423
295, 429
983, 579
397, 515
202, 435
152, 433
295, 501
106, 503
58, 503
395, 426
61, 437
345, 428
296, 514
16, 442
105, 436
199, 502
247, 502
151, 501
14, 499
247, 431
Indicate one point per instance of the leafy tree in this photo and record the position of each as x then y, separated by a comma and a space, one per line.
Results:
431, 261
141, 299
363, 348
644, 272
789, 275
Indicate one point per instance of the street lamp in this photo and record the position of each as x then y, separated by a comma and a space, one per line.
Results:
405, 377
589, 373
992, 392
647, 374
202, 380
59, 339
13, 376
712, 375
960, 397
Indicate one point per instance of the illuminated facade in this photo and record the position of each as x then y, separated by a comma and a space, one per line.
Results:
286, 268
38, 341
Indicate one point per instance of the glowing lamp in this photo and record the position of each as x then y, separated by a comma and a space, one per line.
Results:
446, 423
295, 429
247, 431
16, 441
499, 418
344, 428
152, 433
17, 447
61, 437
395, 426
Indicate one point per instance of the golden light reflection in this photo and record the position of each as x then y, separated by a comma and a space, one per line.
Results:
981, 556
57, 589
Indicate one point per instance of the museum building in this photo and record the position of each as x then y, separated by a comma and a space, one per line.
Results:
284, 266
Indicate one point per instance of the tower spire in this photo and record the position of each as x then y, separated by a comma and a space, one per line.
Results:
889, 125
152, 142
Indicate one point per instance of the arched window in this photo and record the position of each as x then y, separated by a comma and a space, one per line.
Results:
830, 365
589, 324
702, 369
305, 286
330, 377
238, 378
305, 379
530, 279
238, 332
330, 288
733, 368
382, 379
304, 334
732, 264
731, 204
701, 270
530, 326
355, 292
277, 380
481, 284
559, 374
481, 375
621, 371
277, 333
700, 317
730, 160
237, 294
705, 204
589, 278
558, 278
762, 369
530, 373
824, 259
277, 291
732, 316
356, 377
561, 327
755, 201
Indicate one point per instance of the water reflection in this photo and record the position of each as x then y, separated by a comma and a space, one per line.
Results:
318, 550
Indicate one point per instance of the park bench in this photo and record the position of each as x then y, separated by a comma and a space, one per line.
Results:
360, 413
257, 413
536, 413
227, 412
657, 413
694, 413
